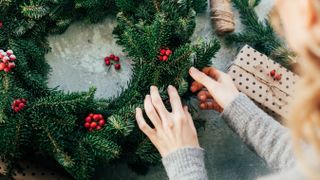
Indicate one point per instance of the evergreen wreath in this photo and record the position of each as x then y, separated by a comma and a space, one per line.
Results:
36, 118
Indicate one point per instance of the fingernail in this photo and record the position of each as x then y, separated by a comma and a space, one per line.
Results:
193, 70
153, 87
202, 97
170, 87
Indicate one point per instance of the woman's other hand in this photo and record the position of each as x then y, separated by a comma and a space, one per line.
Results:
215, 88
172, 130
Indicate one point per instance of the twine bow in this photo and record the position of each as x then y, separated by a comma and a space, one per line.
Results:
272, 90
272, 87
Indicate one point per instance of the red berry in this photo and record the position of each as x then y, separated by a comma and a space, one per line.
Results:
1, 24
107, 58
116, 58
18, 101
21, 106
168, 52
16, 109
6, 69
165, 58
162, 51
278, 77
93, 125
88, 119
112, 56
91, 115
11, 65
2, 66
102, 122
9, 52
117, 66
108, 63
24, 100
87, 125
98, 127
161, 58
96, 117
272, 73
5, 59
13, 57
100, 116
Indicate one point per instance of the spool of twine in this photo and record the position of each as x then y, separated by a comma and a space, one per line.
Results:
222, 16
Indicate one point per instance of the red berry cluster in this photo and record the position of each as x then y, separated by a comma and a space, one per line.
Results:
113, 58
94, 122
275, 75
164, 54
18, 105
6, 60
1, 24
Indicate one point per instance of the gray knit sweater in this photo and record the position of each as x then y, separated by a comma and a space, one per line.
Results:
268, 138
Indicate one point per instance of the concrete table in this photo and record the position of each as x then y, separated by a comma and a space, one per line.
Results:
77, 64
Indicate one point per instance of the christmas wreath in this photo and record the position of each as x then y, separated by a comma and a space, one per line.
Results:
76, 129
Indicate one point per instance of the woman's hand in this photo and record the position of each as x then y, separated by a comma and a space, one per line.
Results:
216, 88
172, 130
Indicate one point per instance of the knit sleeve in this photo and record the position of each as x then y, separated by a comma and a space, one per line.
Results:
185, 164
267, 137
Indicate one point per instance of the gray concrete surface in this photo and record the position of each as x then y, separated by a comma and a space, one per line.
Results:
77, 64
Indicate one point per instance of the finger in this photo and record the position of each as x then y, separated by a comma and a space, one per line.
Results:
151, 112
195, 86
202, 78
206, 105
204, 95
212, 72
217, 107
144, 127
203, 105
190, 121
175, 100
157, 102
210, 105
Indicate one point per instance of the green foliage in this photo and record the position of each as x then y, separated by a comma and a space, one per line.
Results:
52, 121
204, 52
259, 34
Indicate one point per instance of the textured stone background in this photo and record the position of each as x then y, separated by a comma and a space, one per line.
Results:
76, 61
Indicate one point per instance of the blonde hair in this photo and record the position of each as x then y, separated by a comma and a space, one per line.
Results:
304, 119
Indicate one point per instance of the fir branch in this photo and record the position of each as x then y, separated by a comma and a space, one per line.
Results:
259, 35
147, 152
34, 11
204, 52
102, 148
54, 143
4, 91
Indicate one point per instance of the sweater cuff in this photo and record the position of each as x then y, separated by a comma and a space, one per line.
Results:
241, 104
240, 111
185, 164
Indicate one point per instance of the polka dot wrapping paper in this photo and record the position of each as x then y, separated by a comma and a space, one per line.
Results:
268, 83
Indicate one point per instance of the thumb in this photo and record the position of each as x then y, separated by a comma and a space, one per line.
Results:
202, 78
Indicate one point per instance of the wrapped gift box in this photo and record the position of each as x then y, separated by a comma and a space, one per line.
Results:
251, 73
